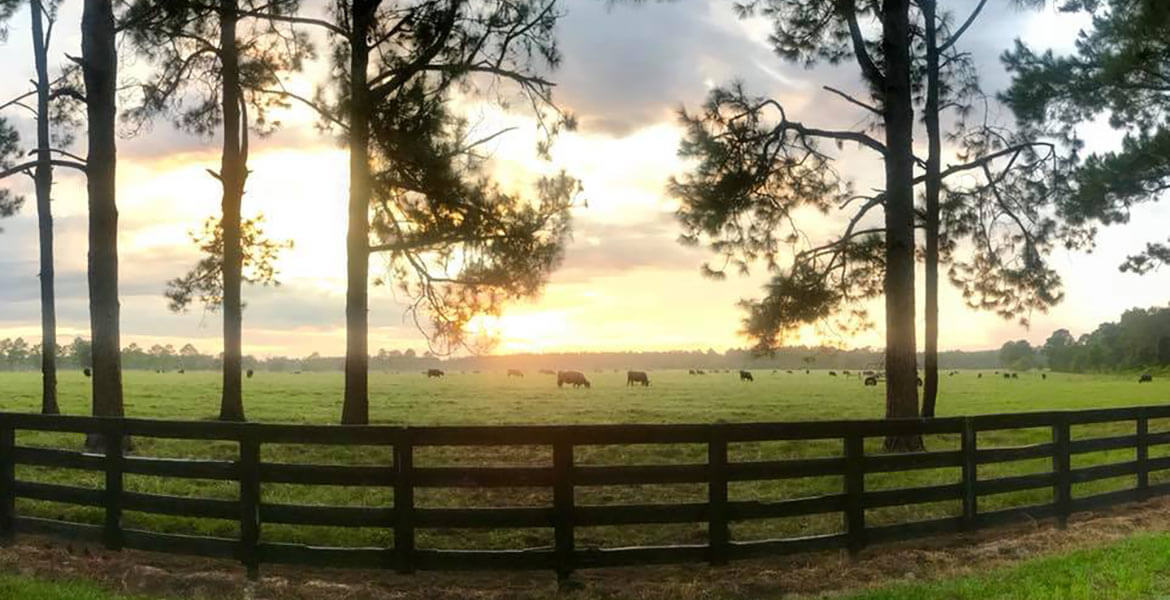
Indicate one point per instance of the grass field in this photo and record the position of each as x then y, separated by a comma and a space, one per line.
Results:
492, 398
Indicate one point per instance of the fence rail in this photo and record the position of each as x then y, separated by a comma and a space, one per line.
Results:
563, 476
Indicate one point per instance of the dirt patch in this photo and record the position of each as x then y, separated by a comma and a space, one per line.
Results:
787, 577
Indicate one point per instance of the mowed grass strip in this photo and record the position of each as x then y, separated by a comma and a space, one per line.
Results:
494, 399
23, 588
1137, 567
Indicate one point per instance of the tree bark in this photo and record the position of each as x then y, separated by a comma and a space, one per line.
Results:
933, 189
356, 407
43, 178
901, 363
99, 60
233, 171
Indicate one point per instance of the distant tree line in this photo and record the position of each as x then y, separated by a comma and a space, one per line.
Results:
1140, 339
19, 355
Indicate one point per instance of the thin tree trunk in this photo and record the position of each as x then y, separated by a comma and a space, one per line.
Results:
233, 171
901, 363
100, 70
356, 408
43, 178
933, 185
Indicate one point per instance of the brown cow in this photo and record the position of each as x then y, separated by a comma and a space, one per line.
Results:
633, 377
434, 373
515, 373
576, 378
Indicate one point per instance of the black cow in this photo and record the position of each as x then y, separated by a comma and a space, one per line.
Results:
1015, 375
434, 373
832, 373
1146, 378
515, 373
690, 371
789, 371
746, 376
87, 372
181, 371
576, 378
1007, 376
633, 377
250, 373
700, 372
845, 373
979, 376
871, 380
1044, 376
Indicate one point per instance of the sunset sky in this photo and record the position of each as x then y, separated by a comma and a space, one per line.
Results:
626, 284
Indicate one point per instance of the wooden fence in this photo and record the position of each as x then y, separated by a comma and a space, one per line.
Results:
562, 476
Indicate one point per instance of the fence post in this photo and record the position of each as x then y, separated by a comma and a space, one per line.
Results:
250, 503
563, 503
404, 501
115, 442
7, 481
718, 535
1062, 493
970, 475
854, 488
1143, 454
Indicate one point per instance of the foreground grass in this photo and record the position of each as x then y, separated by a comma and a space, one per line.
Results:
1138, 567
492, 398
13, 587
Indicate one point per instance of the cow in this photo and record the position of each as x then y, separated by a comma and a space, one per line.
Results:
806, 371
1146, 378
1044, 376
87, 372
832, 373
700, 372
181, 371
515, 373
871, 380
633, 377
434, 373
979, 376
1007, 376
846, 373
746, 376
690, 371
1015, 375
789, 371
250, 373
576, 378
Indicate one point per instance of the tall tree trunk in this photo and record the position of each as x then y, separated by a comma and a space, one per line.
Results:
99, 60
43, 178
356, 408
933, 189
901, 363
233, 171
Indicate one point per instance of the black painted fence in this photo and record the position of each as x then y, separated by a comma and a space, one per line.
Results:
562, 476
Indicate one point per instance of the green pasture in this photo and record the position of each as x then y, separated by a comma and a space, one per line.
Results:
493, 398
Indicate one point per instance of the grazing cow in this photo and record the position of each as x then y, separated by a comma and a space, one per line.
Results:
181, 371
1007, 376
633, 377
690, 371
845, 373
746, 376
806, 371
979, 376
515, 373
576, 378
250, 373
1044, 376
1146, 378
87, 372
789, 371
871, 380
1015, 375
434, 373
700, 372
832, 373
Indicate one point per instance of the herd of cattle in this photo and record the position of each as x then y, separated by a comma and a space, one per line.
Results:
577, 379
